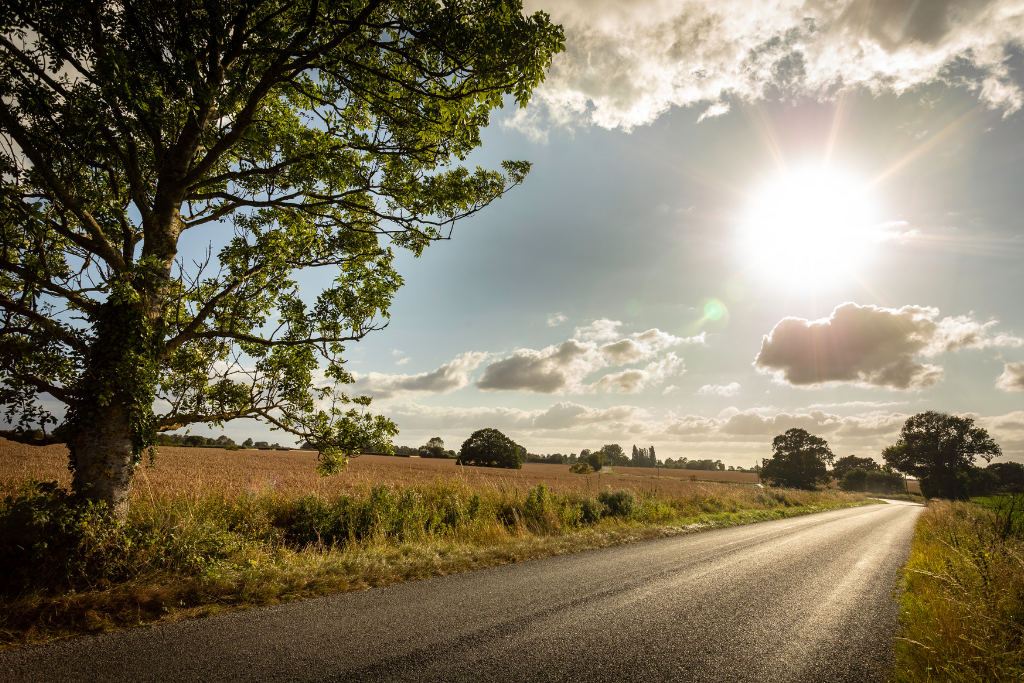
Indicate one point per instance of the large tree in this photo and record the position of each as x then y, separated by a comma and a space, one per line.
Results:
273, 136
940, 450
490, 448
799, 460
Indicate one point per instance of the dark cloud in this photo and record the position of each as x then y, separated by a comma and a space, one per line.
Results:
861, 344
547, 371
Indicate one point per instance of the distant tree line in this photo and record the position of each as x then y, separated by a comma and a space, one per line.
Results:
222, 441
940, 450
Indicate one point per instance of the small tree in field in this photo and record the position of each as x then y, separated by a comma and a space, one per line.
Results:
491, 448
433, 449
597, 460
940, 450
800, 460
276, 137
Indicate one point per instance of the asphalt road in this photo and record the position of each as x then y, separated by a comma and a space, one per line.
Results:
804, 599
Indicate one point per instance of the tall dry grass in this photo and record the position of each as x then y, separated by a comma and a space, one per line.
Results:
962, 609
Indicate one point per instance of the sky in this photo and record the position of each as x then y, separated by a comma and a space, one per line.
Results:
742, 217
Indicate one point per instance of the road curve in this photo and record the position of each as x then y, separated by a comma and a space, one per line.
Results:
802, 599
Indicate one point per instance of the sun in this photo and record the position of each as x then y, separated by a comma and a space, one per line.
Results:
809, 225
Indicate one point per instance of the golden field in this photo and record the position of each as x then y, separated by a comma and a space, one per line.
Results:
206, 470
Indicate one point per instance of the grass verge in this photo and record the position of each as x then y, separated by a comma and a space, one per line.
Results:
962, 608
68, 571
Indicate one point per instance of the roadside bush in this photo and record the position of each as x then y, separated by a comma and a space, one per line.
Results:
854, 480
591, 510
581, 468
880, 481
620, 503
48, 539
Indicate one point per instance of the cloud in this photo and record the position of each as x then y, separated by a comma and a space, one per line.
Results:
643, 345
1012, 378
670, 389
599, 330
870, 346
963, 332
447, 378
730, 389
628, 61
634, 381
560, 416
547, 371
403, 361
556, 319
564, 367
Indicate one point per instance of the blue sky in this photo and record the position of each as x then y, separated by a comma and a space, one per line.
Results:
741, 218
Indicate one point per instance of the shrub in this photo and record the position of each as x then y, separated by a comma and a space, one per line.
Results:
880, 481
620, 503
49, 538
591, 510
581, 468
854, 480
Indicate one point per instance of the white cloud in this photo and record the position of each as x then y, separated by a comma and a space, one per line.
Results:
964, 332
670, 389
564, 367
1012, 378
599, 330
871, 346
730, 389
635, 380
556, 319
628, 61
403, 361
447, 378
559, 416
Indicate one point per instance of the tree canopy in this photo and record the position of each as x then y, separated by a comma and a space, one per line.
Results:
940, 450
262, 137
799, 460
851, 462
490, 448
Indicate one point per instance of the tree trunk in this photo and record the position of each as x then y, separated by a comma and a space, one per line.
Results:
104, 465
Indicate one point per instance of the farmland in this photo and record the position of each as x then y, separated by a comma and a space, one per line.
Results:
211, 529
199, 471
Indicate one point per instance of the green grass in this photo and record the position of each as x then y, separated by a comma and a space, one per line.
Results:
68, 570
962, 608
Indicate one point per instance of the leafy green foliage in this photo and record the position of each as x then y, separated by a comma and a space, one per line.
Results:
940, 450
850, 462
490, 448
597, 460
799, 460
619, 503
288, 137
581, 468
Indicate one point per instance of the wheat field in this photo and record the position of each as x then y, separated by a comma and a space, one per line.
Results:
198, 471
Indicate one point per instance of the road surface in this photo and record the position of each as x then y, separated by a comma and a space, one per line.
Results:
802, 599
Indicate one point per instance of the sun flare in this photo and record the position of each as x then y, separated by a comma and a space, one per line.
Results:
809, 225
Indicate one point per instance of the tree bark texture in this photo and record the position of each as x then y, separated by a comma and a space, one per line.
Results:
104, 463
